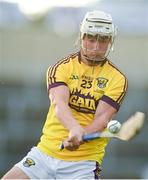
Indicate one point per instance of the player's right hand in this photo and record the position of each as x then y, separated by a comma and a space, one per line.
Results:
75, 134
75, 138
68, 144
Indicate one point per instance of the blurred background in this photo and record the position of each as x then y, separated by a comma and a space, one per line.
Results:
35, 34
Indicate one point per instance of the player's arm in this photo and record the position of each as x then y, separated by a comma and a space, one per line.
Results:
103, 115
59, 96
109, 104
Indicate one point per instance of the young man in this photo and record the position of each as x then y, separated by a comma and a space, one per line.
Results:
86, 91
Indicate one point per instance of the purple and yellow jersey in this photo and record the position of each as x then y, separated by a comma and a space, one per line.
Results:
87, 85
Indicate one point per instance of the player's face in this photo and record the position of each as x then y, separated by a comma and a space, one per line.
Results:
95, 46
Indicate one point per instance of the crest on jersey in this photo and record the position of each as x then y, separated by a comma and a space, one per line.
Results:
28, 162
101, 82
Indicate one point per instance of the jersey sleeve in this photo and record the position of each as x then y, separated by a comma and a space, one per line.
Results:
57, 75
116, 92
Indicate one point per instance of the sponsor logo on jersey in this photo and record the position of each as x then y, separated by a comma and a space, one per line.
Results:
28, 162
81, 102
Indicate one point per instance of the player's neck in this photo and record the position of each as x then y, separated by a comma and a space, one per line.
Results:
89, 63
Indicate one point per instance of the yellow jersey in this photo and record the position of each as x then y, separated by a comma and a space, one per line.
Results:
87, 85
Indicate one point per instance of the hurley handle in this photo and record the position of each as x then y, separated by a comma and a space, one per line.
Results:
86, 137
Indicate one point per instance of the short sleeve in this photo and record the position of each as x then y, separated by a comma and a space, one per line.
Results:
116, 92
57, 75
